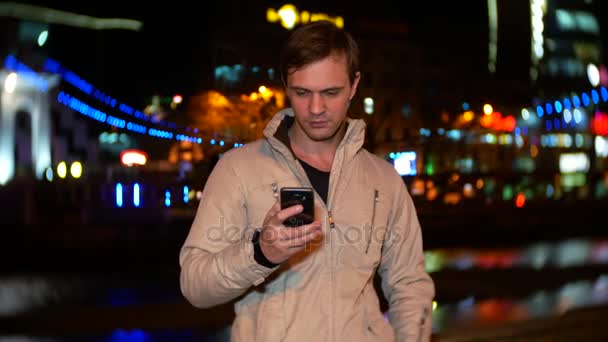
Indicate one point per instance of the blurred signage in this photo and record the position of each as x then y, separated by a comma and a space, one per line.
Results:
133, 157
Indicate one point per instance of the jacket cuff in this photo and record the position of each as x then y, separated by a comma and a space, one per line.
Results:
258, 255
255, 272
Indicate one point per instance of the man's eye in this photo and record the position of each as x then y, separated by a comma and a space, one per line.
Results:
301, 92
331, 92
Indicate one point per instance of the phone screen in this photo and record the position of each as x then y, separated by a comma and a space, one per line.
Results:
294, 196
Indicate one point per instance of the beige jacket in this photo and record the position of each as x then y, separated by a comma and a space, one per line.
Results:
326, 292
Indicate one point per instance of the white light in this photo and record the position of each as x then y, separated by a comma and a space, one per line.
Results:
42, 37
10, 83
405, 163
567, 115
593, 74
573, 162
525, 114
578, 116
368, 105
601, 146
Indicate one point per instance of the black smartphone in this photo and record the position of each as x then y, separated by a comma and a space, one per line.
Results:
294, 196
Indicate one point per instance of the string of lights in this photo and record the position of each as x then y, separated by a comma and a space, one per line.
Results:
177, 132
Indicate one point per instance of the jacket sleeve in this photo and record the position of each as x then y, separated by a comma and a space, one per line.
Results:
408, 288
216, 260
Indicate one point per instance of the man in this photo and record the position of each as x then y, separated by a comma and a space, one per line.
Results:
313, 282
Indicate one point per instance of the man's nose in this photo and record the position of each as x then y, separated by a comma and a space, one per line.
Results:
317, 104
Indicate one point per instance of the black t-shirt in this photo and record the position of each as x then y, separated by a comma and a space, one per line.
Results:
319, 179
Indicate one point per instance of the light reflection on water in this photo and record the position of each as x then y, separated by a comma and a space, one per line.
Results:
20, 294
133, 335
469, 312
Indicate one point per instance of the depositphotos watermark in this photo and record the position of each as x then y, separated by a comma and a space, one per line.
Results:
351, 234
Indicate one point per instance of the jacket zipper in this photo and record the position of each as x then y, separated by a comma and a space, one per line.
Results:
425, 313
275, 190
371, 228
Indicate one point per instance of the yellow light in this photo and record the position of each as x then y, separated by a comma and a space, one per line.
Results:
272, 15
339, 22
262, 89
468, 116
487, 109
304, 17
76, 169
435, 305
62, 170
289, 16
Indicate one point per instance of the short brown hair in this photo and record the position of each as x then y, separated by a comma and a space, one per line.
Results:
315, 41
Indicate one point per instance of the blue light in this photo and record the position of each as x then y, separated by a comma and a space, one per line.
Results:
567, 103
517, 131
556, 123
212, 142
586, 99
78, 82
118, 195
186, 191
221, 142
167, 198
558, 106
548, 125
136, 194
539, 111
549, 109
595, 96
604, 94
465, 106
549, 192
576, 101
135, 335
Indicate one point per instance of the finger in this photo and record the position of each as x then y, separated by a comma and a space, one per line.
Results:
274, 209
288, 212
301, 241
296, 232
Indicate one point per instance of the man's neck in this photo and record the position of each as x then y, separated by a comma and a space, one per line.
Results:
319, 154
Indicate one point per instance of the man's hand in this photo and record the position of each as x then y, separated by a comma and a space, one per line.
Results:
278, 242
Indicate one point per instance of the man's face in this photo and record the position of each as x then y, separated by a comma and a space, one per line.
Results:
319, 94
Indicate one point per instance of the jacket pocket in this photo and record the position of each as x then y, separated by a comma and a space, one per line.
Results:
378, 329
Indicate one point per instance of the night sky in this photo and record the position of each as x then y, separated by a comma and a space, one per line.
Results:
172, 52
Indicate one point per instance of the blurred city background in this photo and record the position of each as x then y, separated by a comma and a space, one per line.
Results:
111, 118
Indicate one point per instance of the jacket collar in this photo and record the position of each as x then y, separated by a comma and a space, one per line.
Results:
276, 132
